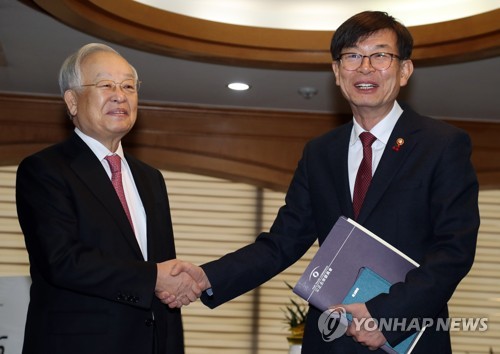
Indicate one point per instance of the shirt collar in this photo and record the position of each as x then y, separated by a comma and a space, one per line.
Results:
383, 130
97, 148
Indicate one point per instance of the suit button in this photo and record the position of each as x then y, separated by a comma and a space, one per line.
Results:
149, 322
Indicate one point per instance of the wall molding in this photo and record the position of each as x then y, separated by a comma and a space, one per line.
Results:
254, 146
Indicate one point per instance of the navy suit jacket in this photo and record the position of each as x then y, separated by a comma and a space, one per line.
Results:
92, 291
423, 199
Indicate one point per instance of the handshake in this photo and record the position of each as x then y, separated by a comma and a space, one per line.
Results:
179, 283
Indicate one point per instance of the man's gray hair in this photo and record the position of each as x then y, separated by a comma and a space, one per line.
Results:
70, 75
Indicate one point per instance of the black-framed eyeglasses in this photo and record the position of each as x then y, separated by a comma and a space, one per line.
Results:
128, 85
379, 61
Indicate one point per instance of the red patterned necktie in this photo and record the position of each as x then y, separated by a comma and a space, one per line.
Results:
364, 176
115, 163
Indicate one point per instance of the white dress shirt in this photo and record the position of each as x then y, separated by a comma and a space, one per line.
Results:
134, 202
382, 131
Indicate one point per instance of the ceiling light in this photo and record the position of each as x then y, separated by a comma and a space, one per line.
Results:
238, 86
321, 15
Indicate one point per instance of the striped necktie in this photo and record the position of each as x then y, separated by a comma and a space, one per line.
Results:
364, 176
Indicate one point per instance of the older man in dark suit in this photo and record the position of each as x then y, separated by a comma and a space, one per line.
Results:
97, 226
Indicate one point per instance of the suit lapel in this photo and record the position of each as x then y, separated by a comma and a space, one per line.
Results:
90, 170
339, 169
391, 161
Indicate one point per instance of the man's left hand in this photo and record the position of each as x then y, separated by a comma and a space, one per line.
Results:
363, 328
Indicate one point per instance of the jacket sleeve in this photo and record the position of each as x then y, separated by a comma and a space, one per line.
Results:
292, 234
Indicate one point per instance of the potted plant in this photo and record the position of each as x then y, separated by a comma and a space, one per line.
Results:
295, 318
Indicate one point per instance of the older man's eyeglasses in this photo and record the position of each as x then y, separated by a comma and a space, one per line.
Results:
379, 61
128, 86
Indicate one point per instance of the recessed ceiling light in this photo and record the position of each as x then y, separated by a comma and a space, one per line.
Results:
238, 86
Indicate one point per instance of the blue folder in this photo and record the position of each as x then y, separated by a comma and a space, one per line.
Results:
369, 284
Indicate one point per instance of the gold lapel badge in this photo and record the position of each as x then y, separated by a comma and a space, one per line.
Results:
399, 143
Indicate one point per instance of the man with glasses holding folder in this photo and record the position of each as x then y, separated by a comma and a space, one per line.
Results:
405, 177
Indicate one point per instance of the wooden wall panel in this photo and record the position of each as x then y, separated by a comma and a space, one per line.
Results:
255, 146
486, 150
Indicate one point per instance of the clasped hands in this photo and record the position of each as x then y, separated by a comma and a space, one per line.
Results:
179, 283
360, 330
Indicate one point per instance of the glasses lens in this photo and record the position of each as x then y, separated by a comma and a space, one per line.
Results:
130, 86
380, 61
351, 61
105, 85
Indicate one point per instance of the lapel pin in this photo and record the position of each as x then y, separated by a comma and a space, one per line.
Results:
399, 143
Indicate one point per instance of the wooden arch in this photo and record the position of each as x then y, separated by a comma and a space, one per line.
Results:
136, 25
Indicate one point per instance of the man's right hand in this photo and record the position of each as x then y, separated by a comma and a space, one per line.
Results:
180, 283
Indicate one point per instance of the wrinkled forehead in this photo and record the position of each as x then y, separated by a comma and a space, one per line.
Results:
106, 65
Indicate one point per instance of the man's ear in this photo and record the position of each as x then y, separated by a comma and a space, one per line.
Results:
406, 71
336, 69
71, 102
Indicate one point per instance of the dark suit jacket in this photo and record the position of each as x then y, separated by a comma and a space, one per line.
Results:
92, 291
423, 200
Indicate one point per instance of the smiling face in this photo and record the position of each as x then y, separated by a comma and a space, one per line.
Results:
104, 114
371, 93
